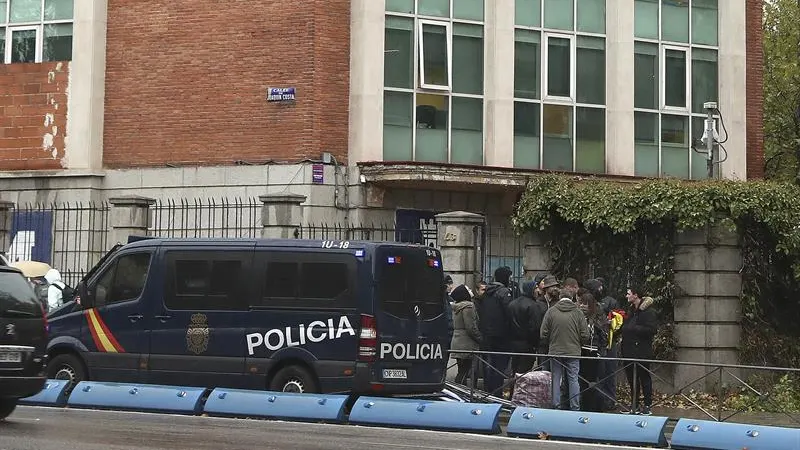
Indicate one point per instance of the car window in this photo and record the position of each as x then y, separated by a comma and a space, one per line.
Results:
123, 280
17, 296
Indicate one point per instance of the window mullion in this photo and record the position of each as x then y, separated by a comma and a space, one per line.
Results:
39, 43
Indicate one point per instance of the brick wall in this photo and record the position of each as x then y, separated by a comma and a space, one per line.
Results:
755, 89
186, 81
33, 115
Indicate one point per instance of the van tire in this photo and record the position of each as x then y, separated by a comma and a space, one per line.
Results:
7, 406
296, 379
66, 367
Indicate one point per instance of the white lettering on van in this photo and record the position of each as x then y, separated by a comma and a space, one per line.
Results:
268, 342
295, 336
411, 352
311, 326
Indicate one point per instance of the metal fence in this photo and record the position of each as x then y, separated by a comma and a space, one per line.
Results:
70, 236
198, 218
502, 247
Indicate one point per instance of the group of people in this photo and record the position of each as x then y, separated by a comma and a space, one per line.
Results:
563, 320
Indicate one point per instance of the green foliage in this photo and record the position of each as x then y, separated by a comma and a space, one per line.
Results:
625, 233
784, 396
782, 89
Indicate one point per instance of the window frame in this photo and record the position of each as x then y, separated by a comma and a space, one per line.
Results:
9, 33
112, 267
263, 257
421, 57
7, 28
545, 67
662, 108
173, 255
687, 78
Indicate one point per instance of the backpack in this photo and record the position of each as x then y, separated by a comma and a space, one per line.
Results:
67, 293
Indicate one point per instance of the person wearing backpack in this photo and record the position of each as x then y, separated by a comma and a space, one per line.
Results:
58, 293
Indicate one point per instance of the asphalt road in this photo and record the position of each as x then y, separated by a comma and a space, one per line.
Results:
32, 428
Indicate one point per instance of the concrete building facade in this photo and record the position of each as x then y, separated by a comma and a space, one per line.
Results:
378, 111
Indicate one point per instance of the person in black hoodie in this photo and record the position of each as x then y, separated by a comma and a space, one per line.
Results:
606, 368
494, 325
638, 331
526, 315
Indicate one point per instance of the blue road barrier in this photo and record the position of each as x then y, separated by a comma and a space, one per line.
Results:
711, 435
276, 405
587, 427
54, 393
422, 414
137, 397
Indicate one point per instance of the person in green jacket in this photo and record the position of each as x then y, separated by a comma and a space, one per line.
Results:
565, 328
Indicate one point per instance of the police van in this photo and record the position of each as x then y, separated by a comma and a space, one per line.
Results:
283, 315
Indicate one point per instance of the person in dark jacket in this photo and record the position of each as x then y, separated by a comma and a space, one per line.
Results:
638, 331
494, 322
466, 335
607, 368
526, 315
448, 307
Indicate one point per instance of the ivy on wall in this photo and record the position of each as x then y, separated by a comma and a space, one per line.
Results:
624, 231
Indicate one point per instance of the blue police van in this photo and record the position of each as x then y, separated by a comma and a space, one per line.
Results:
283, 315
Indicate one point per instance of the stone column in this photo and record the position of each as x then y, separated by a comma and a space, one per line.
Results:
6, 219
707, 305
619, 79
536, 257
458, 236
130, 216
281, 215
499, 83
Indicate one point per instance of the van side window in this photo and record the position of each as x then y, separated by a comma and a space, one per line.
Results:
207, 280
124, 280
306, 279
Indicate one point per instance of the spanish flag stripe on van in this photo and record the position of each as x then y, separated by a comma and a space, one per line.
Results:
102, 337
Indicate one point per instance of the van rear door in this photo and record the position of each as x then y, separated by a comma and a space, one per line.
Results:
410, 316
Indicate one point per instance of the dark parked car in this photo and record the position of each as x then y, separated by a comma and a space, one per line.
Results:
23, 340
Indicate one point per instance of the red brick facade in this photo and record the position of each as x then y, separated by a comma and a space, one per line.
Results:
33, 115
186, 81
755, 89
186, 84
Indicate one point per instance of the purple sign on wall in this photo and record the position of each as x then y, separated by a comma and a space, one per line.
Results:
317, 173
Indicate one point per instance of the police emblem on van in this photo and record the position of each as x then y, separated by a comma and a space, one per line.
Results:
197, 335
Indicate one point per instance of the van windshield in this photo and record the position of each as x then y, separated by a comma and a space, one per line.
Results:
17, 298
409, 277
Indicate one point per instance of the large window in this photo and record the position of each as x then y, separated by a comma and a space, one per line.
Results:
124, 280
302, 279
560, 85
35, 30
433, 81
675, 58
207, 280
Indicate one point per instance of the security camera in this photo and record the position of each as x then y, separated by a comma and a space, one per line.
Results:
710, 106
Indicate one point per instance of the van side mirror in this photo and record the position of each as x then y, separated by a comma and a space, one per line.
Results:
84, 298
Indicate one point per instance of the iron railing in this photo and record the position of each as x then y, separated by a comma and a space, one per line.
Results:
503, 247
71, 237
722, 384
199, 218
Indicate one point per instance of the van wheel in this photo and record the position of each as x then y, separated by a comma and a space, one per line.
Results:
66, 367
7, 406
294, 379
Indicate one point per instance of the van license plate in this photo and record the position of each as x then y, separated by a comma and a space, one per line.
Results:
395, 374
10, 357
